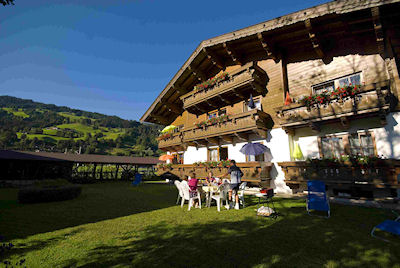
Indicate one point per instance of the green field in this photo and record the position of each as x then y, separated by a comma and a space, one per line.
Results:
49, 138
74, 117
18, 112
117, 225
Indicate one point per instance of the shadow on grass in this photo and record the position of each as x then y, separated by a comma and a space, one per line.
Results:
97, 202
295, 240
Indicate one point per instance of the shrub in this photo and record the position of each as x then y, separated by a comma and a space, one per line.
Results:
38, 194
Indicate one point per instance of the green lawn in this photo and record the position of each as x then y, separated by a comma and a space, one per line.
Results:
116, 225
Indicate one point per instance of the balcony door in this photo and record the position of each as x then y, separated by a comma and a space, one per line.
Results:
218, 154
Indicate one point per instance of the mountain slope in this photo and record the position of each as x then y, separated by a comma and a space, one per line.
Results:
30, 125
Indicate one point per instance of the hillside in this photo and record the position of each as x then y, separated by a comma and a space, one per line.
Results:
30, 125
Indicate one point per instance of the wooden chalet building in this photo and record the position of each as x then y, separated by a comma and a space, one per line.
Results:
311, 52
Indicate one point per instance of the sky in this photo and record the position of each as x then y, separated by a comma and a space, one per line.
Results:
113, 57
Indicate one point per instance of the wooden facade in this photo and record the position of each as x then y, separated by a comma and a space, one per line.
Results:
292, 55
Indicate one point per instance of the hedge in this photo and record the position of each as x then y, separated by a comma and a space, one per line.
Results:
48, 194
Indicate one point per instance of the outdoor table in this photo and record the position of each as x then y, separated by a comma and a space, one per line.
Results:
209, 189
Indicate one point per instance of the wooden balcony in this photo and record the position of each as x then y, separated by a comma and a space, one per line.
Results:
249, 79
237, 127
255, 173
344, 177
372, 100
170, 143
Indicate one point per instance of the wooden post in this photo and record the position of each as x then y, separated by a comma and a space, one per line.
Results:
285, 80
94, 171
116, 172
101, 171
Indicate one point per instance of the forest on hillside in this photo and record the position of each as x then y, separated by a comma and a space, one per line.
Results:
30, 125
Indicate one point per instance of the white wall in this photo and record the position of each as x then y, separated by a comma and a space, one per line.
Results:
278, 144
388, 138
278, 150
194, 155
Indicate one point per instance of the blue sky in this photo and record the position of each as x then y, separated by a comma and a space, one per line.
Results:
113, 57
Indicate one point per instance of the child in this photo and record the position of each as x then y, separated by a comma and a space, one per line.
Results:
193, 187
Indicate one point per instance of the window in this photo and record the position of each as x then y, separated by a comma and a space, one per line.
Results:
327, 86
255, 158
332, 146
362, 143
354, 79
218, 154
216, 113
223, 153
213, 155
257, 103
178, 158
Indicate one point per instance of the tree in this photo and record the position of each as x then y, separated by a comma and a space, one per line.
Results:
7, 2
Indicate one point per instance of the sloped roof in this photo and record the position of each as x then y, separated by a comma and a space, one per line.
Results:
334, 7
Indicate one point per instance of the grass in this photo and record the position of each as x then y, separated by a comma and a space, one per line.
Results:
49, 138
73, 117
18, 112
117, 225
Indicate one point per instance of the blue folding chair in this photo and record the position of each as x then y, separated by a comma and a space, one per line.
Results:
317, 199
389, 226
138, 179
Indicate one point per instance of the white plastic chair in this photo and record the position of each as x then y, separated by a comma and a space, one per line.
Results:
186, 195
221, 195
180, 193
242, 187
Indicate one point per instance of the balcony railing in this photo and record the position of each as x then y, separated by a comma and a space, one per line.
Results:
237, 126
174, 141
249, 79
345, 176
371, 99
254, 172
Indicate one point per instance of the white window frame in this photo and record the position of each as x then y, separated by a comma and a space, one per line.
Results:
336, 81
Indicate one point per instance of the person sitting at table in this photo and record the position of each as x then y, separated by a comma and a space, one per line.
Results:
210, 179
193, 181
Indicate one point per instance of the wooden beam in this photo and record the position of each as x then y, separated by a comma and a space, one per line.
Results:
242, 136
214, 59
315, 42
344, 121
261, 132
289, 131
173, 108
160, 119
379, 33
224, 100
285, 79
226, 138
199, 109
266, 48
213, 140
238, 94
314, 127
212, 105
231, 53
197, 73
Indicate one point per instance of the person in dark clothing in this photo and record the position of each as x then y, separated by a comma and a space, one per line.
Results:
234, 183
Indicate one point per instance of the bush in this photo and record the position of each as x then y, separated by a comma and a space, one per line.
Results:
151, 177
37, 194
